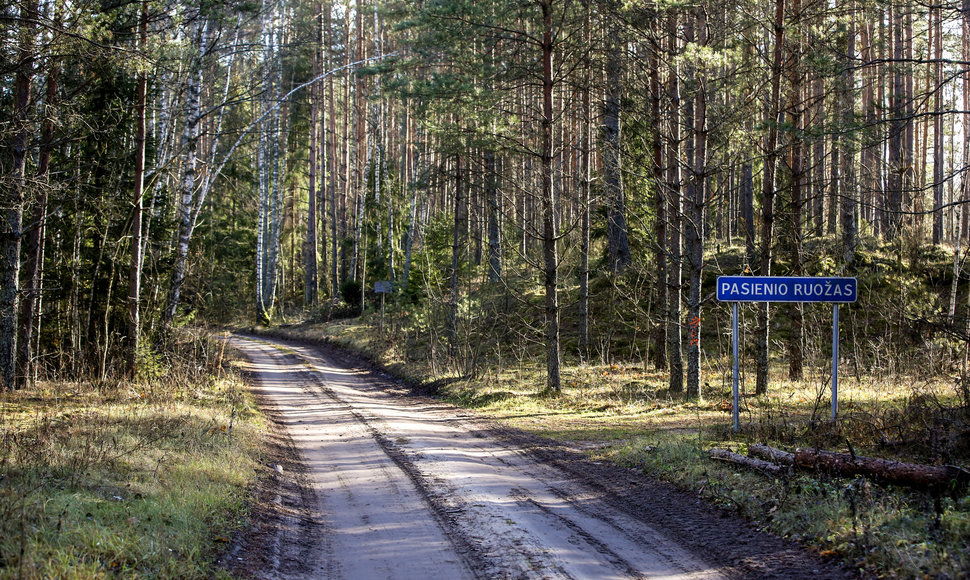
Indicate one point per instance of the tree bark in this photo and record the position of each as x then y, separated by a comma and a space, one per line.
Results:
550, 252
897, 129
190, 141
938, 159
12, 199
771, 454
310, 258
616, 230
848, 189
749, 462
494, 214
869, 158
773, 118
818, 161
695, 202
674, 215
134, 272
797, 167
457, 245
923, 477
659, 201
35, 237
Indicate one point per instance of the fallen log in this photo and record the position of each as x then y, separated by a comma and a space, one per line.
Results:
750, 462
931, 478
771, 454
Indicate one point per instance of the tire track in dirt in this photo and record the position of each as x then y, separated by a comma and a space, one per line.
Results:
504, 504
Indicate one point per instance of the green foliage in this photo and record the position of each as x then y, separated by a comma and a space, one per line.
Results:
351, 293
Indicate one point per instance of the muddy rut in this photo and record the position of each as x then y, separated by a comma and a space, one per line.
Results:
372, 481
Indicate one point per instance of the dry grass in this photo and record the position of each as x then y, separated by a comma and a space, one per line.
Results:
131, 479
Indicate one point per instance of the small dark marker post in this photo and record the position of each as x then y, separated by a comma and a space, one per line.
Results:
383, 287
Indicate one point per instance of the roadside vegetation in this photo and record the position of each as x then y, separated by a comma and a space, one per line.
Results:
903, 396
145, 478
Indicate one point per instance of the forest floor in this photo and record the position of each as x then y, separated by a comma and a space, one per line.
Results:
379, 481
621, 415
119, 478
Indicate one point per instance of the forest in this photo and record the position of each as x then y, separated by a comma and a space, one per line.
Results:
249, 160
550, 183
167, 160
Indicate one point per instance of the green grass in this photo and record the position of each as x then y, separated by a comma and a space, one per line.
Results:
126, 479
881, 531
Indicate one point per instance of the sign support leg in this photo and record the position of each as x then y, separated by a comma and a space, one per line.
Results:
734, 349
835, 360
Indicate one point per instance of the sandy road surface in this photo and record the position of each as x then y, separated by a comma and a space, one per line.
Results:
396, 486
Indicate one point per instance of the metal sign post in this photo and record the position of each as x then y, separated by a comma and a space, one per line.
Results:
383, 287
734, 349
738, 289
835, 360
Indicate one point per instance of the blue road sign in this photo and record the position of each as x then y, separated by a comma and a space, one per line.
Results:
786, 289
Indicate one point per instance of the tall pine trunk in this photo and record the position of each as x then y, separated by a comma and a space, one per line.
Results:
938, 158
796, 165
616, 230
695, 202
773, 119
897, 130
659, 201
550, 254
310, 257
457, 249
848, 187
585, 144
674, 215
12, 198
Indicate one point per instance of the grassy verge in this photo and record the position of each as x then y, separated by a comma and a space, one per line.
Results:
623, 413
133, 479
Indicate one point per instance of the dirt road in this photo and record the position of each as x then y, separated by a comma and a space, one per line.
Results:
376, 482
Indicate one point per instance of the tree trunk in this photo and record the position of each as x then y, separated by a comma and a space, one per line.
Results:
457, 244
773, 118
818, 161
848, 188
749, 462
909, 105
12, 199
923, 477
494, 213
870, 154
746, 195
134, 276
897, 129
659, 202
747, 213
674, 216
310, 258
797, 167
550, 252
616, 230
36, 237
695, 201
190, 141
938, 158
771, 454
